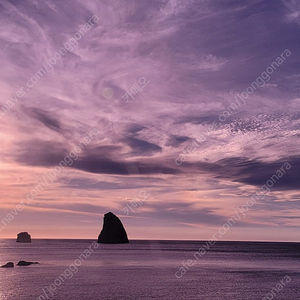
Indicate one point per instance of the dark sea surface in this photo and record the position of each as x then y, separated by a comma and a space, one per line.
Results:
146, 270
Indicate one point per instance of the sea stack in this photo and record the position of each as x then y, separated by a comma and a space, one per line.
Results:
24, 237
113, 231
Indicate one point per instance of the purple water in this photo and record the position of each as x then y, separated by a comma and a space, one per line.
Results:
146, 270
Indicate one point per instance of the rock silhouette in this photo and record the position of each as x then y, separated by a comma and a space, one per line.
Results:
113, 231
26, 263
8, 265
24, 237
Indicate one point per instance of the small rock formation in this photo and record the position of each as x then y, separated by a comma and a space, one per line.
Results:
26, 263
24, 237
8, 265
113, 231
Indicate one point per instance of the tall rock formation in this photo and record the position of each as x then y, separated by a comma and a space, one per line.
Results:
24, 237
113, 231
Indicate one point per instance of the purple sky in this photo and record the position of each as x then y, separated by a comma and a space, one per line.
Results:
186, 139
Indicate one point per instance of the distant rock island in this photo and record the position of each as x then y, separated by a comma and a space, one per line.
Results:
21, 263
24, 237
26, 263
113, 231
8, 265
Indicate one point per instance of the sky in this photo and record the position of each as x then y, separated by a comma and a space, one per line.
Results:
181, 110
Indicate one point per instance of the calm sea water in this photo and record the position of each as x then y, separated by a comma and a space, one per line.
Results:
146, 270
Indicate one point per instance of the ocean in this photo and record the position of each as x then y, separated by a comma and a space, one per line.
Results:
82, 269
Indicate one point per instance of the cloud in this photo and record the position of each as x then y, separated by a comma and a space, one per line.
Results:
255, 172
44, 118
293, 9
196, 57
176, 140
142, 147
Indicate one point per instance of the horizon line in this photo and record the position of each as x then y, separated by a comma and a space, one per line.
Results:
137, 239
